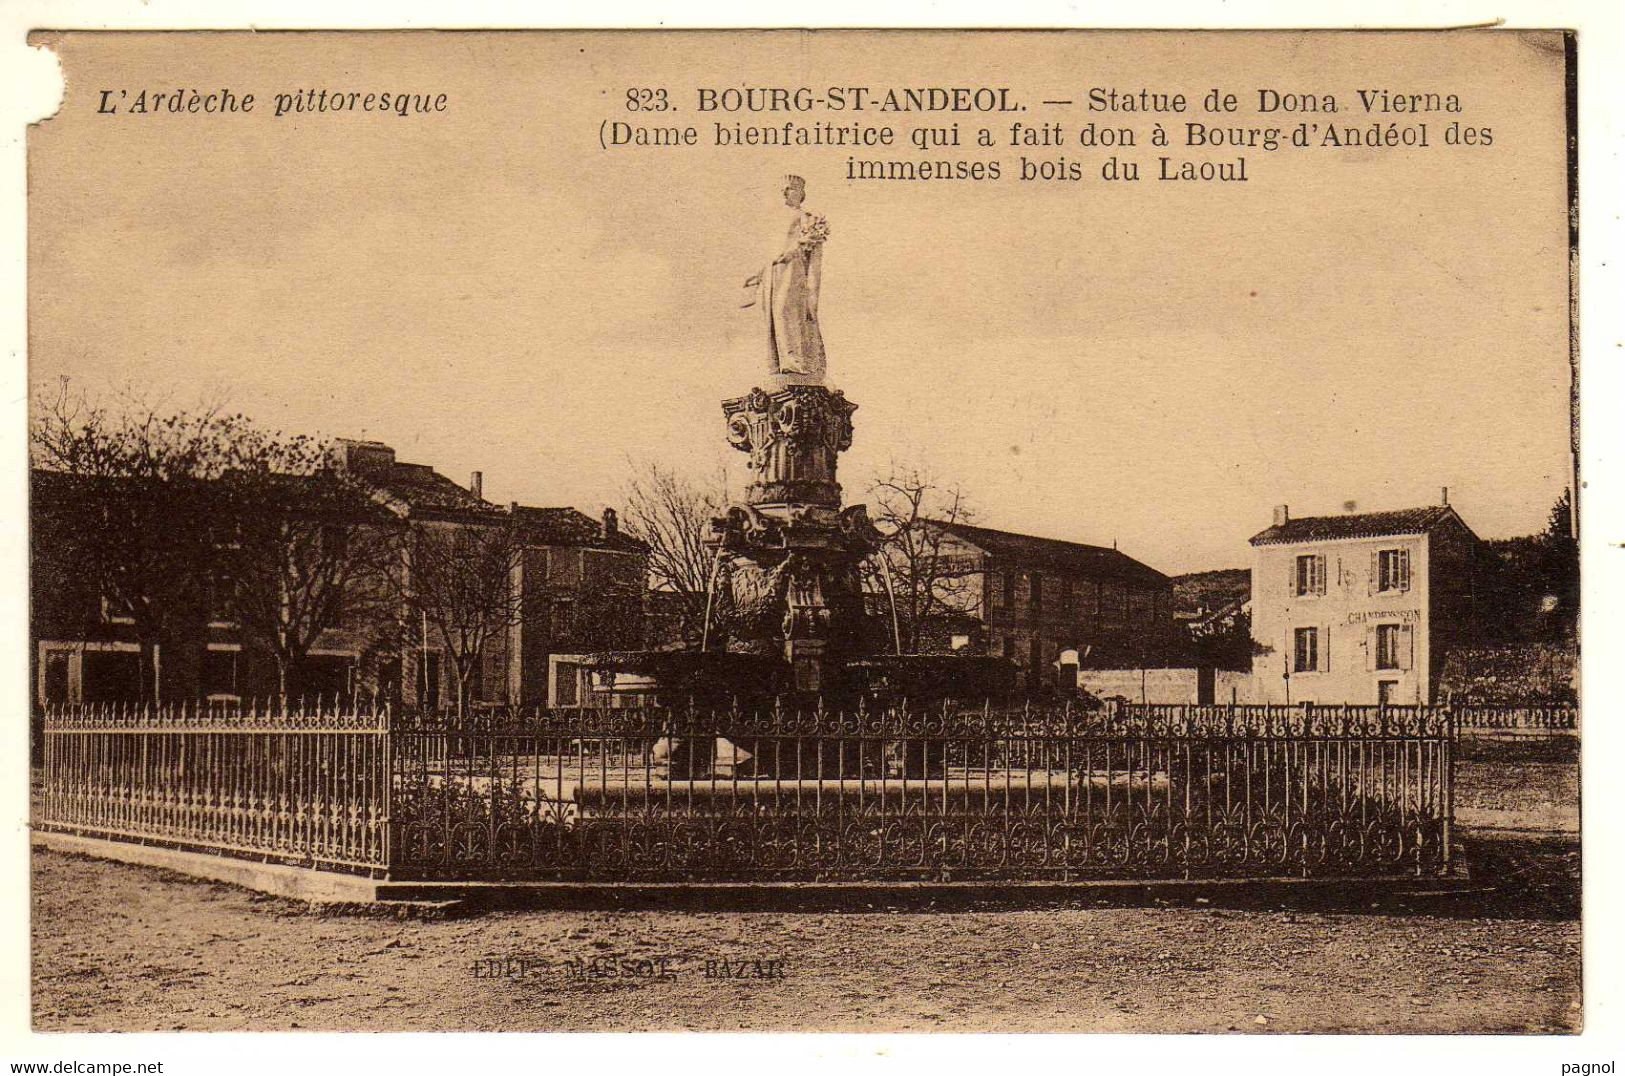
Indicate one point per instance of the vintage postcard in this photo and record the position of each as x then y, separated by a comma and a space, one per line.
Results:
783, 530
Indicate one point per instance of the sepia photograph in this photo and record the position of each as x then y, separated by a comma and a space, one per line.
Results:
805, 531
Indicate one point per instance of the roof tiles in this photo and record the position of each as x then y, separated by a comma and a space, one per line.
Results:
1355, 525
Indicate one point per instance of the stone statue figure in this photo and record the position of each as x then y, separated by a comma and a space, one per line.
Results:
786, 291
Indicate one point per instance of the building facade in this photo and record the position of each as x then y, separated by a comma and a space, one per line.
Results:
1361, 608
576, 585
583, 583
1048, 605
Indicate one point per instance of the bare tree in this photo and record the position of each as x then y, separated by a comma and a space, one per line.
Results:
134, 515
672, 512
459, 578
308, 548
930, 576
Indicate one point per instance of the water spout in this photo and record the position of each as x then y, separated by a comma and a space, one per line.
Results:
710, 596
891, 595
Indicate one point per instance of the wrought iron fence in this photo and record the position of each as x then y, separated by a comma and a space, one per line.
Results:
1518, 720
1137, 792
664, 794
306, 786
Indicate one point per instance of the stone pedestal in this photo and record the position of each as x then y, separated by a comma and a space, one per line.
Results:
792, 555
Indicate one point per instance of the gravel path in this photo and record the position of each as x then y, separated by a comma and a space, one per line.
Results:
131, 948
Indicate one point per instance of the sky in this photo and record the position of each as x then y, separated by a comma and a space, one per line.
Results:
1155, 364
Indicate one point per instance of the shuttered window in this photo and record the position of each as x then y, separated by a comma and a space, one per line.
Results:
1393, 646
1391, 568
1306, 650
1309, 575
1387, 646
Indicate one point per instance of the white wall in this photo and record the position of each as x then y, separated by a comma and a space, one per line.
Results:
1347, 616
1142, 685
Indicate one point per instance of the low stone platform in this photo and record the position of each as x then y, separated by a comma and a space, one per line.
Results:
332, 892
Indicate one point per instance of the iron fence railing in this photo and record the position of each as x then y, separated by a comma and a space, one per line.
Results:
654, 794
1139, 792
1532, 720
306, 786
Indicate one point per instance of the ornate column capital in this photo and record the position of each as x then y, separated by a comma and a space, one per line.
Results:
793, 435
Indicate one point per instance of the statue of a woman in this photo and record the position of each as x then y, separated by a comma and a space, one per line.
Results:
786, 290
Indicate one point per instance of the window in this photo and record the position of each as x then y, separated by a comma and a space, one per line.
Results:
1393, 570
222, 600
959, 642
387, 680
1068, 598
1393, 646
220, 672
996, 596
1309, 575
56, 676
566, 684
561, 617
1306, 650
1035, 594
564, 566
330, 676
112, 676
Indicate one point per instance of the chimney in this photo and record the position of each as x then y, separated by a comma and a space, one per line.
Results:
1444, 495
611, 524
476, 484
1280, 515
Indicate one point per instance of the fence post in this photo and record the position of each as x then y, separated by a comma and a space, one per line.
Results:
1299, 753
387, 797
1449, 774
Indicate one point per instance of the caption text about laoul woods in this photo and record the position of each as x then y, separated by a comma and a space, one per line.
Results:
942, 134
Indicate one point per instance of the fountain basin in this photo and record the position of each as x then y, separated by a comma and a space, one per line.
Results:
715, 677
932, 677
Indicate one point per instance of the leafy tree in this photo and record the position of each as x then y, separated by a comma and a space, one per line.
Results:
1560, 521
1228, 646
1531, 585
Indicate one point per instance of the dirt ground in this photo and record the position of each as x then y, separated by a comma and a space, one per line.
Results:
131, 948
1525, 786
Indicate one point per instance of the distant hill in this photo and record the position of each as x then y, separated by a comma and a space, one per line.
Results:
1202, 592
